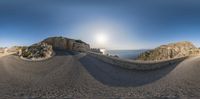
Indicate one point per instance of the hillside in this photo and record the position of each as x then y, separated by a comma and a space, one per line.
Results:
172, 50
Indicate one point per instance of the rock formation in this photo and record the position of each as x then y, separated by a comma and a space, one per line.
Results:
173, 50
36, 51
67, 44
44, 49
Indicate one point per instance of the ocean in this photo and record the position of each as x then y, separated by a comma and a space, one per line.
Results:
127, 54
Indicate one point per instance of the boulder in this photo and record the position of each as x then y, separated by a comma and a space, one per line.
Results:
67, 44
173, 50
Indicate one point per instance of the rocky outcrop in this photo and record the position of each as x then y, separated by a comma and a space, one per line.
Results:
36, 51
45, 49
173, 50
67, 44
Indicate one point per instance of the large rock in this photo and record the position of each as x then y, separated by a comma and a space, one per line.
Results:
67, 44
173, 50
36, 51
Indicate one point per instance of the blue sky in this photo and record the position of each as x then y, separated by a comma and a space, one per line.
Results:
127, 24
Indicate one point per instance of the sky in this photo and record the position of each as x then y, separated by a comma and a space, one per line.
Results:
110, 24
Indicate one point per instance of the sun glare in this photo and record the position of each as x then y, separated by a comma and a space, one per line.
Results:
101, 38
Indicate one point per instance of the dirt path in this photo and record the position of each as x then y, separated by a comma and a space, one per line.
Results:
80, 76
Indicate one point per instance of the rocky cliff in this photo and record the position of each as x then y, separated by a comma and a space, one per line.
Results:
67, 44
173, 50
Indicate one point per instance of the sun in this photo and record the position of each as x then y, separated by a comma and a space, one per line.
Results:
101, 38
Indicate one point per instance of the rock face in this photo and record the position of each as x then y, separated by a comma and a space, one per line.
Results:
36, 51
67, 44
173, 50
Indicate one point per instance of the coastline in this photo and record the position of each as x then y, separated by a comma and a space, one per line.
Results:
126, 54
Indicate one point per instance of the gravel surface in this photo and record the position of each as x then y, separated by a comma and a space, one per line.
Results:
77, 75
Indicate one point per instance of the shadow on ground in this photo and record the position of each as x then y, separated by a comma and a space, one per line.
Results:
115, 76
60, 52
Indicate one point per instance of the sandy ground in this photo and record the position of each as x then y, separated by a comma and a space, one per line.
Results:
75, 75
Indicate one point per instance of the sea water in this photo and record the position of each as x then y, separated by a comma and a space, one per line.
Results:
128, 54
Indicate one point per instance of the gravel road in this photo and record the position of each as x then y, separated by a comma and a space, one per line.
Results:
77, 75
